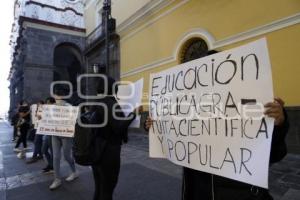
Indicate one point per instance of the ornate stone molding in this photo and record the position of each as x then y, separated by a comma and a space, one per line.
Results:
53, 7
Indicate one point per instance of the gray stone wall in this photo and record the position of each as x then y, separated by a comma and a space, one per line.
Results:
37, 80
39, 58
41, 45
97, 55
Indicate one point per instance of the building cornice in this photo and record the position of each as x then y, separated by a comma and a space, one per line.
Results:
51, 24
214, 44
53, 7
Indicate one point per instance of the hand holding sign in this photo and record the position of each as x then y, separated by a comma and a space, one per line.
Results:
138, 110
275, 110
208, 114
148, 123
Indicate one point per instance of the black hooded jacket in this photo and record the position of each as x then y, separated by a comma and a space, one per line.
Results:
110, 114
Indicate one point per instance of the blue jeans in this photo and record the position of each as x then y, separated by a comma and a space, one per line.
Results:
38, 142
66, 144
47, 150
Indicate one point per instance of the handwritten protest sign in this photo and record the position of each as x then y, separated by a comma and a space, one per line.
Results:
58, 120
129, 98
208, 114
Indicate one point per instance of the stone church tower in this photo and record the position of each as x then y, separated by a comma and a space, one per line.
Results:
47, 44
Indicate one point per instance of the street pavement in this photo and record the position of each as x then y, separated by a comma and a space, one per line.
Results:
141, 178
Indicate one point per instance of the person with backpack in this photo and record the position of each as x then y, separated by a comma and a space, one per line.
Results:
109, 138
64, 143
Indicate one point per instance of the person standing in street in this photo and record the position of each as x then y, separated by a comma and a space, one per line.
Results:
38, 139
115, 133
64, 143
23, 125
201, 185
14, 122
47, 150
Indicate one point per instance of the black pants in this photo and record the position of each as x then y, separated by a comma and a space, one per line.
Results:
15, 132
38, 142
203, 186
47, 150
255, 193
196, 185
23, 137
107, 172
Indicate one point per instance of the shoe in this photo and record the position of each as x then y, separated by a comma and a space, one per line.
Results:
17, 150
48, 170
26, 148
21, 155
39, 157
32, 160
72, 177
56, 183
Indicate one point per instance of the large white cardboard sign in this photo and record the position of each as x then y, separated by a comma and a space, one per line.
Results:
58, 120
208, 114
130, 97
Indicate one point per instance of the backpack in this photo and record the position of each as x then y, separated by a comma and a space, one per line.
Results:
88, 146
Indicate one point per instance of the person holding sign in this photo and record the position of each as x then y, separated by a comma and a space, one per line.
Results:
205, 185
36, 110
114, 130
47, 145
64, 143
200, 185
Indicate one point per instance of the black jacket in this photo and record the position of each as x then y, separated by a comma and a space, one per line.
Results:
109, 113
14, 119
115, 124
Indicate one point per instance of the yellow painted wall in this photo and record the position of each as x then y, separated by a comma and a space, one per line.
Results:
146, 44
122, 10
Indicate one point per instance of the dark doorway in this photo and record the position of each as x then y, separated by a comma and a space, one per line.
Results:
67, 64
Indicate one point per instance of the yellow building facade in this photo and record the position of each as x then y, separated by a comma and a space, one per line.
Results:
155, 33
158, 34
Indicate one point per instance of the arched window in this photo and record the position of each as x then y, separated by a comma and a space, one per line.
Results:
193, 49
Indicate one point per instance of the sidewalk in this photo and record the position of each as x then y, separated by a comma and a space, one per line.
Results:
141, 178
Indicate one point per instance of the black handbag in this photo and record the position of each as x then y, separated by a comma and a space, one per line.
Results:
88, 146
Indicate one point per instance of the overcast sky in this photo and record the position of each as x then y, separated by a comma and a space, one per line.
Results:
6, 17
